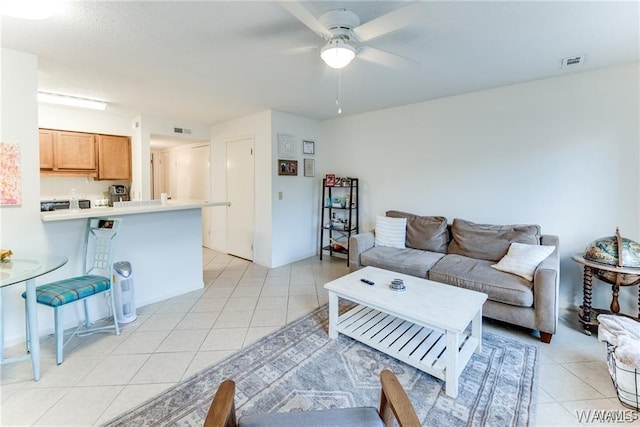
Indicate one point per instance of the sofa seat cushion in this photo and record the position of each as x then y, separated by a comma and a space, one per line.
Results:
409, 261
477, 275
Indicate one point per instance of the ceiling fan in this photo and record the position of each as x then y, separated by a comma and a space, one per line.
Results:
346, 36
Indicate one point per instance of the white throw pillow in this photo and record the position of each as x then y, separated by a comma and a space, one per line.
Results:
522, 259
391, 232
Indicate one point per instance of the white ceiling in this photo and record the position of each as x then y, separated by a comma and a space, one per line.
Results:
208, 61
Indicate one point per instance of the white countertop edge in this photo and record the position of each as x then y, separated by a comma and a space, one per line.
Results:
172, 205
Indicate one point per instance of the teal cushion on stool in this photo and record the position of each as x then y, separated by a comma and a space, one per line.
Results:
65, 291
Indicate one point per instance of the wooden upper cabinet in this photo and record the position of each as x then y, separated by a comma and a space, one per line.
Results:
46, 149
114, 157
67, 153
74, 151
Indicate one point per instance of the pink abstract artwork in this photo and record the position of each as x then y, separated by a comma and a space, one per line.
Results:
10, 189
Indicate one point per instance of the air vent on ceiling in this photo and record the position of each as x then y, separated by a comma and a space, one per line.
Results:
182, 130
573, 61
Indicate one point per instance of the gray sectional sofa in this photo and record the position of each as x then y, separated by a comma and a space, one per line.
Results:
462, 254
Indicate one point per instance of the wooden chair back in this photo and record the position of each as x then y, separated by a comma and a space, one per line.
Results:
394, 404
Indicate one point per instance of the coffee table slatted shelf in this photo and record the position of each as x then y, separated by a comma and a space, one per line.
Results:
421, 347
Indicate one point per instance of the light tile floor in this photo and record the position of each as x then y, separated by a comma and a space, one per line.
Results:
104, 375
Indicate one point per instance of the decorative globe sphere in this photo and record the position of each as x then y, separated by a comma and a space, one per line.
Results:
605, 251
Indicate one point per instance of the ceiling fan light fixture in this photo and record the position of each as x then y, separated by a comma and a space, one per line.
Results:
337, 53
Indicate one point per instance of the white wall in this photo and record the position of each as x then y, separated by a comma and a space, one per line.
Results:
296, 216
285, 230
20, 226
561, 152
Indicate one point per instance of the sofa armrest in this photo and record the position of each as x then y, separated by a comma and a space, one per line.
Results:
359, 243
546, 288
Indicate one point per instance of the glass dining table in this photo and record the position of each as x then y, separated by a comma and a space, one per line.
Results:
26, 268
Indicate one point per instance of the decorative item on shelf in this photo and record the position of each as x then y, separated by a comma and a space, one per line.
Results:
330, 180
287, 167
346, 182
339, 202
339, 246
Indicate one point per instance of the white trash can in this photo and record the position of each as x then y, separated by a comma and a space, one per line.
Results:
123, 292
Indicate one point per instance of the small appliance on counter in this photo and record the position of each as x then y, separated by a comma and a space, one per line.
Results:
101, 203
54, 205
118, 193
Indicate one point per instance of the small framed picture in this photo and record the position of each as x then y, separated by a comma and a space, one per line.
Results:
330, 180
309, 167
308, 147
287, 167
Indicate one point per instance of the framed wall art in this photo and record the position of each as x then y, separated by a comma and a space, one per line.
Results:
309, 167
10, 175
287, 167
286, 146
308, 147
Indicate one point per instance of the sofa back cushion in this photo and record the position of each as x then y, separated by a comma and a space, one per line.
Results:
428, 233
489, 242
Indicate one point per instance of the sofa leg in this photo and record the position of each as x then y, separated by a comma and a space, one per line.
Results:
545, 337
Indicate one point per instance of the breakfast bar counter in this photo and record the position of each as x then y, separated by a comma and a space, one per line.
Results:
163, 243
133, 207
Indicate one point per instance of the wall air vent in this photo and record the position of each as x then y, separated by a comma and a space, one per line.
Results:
573, 61
182, 130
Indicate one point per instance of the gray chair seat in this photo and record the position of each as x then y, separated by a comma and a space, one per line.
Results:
352, 417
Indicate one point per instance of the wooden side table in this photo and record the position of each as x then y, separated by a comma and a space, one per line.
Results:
619, 276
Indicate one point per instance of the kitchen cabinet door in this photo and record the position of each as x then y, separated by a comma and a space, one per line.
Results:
114, 157
46, 149
74, 151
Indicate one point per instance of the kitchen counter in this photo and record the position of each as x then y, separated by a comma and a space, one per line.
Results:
163, 243
134, 208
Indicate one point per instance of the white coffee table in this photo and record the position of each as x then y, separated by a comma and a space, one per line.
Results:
418, 326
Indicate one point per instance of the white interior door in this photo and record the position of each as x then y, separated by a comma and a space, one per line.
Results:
240, 193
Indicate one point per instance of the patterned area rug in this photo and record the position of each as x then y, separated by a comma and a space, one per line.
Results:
300, 368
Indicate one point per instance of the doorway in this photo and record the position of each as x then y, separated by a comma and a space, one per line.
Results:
240, 193
182, 170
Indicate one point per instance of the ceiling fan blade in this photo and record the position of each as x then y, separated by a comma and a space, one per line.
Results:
385, 58
306, 17
414, 13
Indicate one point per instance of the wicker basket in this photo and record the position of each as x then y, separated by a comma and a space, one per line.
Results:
625, 380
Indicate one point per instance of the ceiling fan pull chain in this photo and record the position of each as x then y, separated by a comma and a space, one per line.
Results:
338, 94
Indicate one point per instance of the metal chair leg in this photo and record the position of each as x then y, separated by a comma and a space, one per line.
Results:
113, 310
86, 312
26, 322
59, 332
